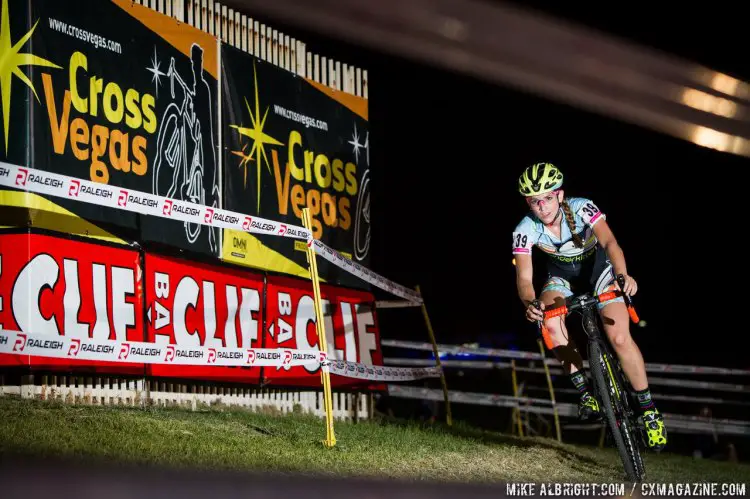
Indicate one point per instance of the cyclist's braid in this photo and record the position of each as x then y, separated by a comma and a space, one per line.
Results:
571, 223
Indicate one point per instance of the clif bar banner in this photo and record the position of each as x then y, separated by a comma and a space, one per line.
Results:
53, 288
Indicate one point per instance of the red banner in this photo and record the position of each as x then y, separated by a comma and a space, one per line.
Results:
192, 304
53, 287
350, 322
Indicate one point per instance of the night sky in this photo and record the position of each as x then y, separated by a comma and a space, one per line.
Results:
448, 205
445, 203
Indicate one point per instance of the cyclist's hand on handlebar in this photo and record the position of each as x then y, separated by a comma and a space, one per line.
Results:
534, 311
631, 287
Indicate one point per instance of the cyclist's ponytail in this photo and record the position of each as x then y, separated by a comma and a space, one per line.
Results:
571, 223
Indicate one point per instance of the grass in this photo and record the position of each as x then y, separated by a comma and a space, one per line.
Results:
240, 440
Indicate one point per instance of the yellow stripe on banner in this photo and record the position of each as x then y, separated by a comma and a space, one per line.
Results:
44, 214
245, 249
181, 36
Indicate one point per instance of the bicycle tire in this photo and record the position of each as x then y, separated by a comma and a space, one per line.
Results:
640, 443
623, 440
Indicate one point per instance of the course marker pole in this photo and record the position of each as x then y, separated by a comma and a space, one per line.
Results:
516, 413
325, 374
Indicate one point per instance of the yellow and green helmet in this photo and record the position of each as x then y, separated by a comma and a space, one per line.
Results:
540, 178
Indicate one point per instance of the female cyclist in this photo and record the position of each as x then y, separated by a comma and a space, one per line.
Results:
582, 253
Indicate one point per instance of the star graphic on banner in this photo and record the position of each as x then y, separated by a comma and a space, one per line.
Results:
246, 158
259, 137
355, 143
156, 72
10, 61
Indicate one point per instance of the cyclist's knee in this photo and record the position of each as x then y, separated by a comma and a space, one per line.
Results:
620, 337
552, 299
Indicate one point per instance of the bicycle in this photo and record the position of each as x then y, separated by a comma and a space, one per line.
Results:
610, 384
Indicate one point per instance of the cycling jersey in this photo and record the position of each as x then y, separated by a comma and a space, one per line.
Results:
561, 252
567, 265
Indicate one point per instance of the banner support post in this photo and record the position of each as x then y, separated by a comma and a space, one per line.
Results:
448, 417
325, 374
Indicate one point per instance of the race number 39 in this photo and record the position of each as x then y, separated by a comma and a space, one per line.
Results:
589, 212
521, 243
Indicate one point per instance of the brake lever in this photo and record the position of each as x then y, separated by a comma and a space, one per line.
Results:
628, 300
541, 329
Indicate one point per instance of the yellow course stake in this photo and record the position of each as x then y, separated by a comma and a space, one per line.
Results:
325, 374
516, 411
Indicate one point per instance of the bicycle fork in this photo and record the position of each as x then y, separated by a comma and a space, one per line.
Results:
594, 334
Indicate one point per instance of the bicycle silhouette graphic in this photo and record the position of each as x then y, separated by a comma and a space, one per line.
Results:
362, 219
180, 169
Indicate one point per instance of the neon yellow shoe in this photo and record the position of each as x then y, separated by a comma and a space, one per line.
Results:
588, 408
655, 430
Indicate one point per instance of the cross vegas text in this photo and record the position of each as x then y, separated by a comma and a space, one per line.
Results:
711, 489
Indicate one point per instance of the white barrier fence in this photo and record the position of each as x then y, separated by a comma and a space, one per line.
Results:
104, 391
653, 380
677, 423
516, 354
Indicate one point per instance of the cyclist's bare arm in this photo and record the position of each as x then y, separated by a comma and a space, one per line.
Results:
524, 280
607, 240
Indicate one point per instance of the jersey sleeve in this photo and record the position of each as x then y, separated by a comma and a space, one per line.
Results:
524, 238
587, 210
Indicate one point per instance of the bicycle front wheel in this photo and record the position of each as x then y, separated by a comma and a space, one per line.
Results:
609, 392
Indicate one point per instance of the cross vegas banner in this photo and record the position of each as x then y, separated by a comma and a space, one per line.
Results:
290, 143
118, 95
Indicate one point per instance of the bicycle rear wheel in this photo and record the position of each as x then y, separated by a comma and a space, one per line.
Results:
609, 391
